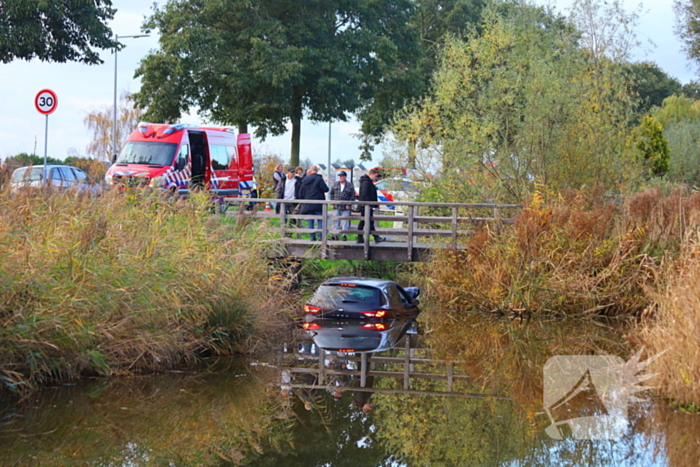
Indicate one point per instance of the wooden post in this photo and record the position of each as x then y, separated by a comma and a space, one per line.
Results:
321, 360
454, 227
283, 219
450, 373
410, 232
368, 209
324, 232
407, 362
363, 370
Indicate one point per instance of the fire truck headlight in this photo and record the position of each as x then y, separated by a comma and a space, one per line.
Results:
156, 182
109, 180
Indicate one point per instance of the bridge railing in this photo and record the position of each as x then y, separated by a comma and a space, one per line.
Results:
412, 220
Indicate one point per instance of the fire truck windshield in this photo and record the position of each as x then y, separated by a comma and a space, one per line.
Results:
148, 153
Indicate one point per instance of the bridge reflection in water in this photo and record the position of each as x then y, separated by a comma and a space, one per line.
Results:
417, 227
304, 366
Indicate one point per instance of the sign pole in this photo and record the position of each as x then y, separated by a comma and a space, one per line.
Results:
46, 145
46, 102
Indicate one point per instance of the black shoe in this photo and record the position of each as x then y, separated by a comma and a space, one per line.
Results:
378, 239
360, 239
333, 237
345, 238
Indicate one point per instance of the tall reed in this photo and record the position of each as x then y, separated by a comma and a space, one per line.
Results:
671, 328
125, 282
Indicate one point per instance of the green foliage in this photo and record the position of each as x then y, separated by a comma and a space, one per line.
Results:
55, 30
688, 14
651, 84
271, 62
653, 146
680, 117
23, 159
517, 104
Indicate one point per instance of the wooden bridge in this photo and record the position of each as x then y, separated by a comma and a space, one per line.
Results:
418, 228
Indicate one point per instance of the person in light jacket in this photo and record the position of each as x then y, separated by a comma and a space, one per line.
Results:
342, 190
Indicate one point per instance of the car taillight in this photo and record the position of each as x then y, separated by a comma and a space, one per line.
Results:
310, 326
312, 309
374, 326
374, 313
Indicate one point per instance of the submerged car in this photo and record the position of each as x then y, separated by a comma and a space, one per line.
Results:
363, 298
336, 335
58, 177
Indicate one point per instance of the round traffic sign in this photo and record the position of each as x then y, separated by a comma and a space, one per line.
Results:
46, 101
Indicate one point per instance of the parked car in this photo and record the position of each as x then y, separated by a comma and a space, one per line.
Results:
60, 177
362, 298
337, 335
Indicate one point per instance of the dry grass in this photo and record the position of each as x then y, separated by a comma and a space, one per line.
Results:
672, 326
574, 255
123, 283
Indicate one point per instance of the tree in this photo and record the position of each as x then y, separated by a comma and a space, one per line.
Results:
23, 159
433, 22
270, 62
680, 119
522, 104
651, 84
688, 26
607, 30
101, 123
55, 30
653, 146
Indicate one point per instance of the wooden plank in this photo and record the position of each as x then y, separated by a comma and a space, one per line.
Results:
388, 374
368, 209
407, 364
402, 391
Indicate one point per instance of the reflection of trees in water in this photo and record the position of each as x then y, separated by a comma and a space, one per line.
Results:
169, 420
449, 431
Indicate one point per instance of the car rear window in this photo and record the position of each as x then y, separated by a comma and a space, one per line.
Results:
328, 296
27, 174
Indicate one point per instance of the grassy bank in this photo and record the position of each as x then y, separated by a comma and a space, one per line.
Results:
124, 283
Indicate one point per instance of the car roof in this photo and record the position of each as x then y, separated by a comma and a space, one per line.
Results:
48, 166
365, 281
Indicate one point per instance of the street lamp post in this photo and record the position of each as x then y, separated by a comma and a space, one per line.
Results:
114, 122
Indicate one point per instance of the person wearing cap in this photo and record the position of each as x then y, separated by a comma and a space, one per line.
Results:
288, 189
342, 190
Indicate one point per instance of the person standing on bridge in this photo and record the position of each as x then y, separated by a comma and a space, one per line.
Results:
313, 187
342, 190
368, 192
288, 189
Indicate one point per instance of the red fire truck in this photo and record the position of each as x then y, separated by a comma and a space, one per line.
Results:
180, 157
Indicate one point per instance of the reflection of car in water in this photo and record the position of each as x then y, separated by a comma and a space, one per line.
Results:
363, 298
347, 335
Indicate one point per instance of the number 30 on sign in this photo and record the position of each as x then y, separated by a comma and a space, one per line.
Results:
46, 101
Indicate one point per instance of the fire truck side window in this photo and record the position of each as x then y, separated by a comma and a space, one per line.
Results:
182, 157
219, 157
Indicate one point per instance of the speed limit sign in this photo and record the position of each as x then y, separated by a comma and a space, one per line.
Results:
46, 101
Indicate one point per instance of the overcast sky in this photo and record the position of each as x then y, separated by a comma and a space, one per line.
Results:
82, 89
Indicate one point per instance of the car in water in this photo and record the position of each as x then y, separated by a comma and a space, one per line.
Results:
363, 298
58, 177
348, 335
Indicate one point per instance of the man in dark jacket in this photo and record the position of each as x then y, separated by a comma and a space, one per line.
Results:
342, 190
313, 187
368, 192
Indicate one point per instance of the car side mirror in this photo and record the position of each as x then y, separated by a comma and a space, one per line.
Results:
413, 292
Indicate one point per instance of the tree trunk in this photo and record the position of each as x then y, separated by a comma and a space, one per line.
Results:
412, 148
296, 126
242, 128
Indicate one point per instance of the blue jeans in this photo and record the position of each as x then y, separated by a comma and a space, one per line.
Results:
319, 223
339, 224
